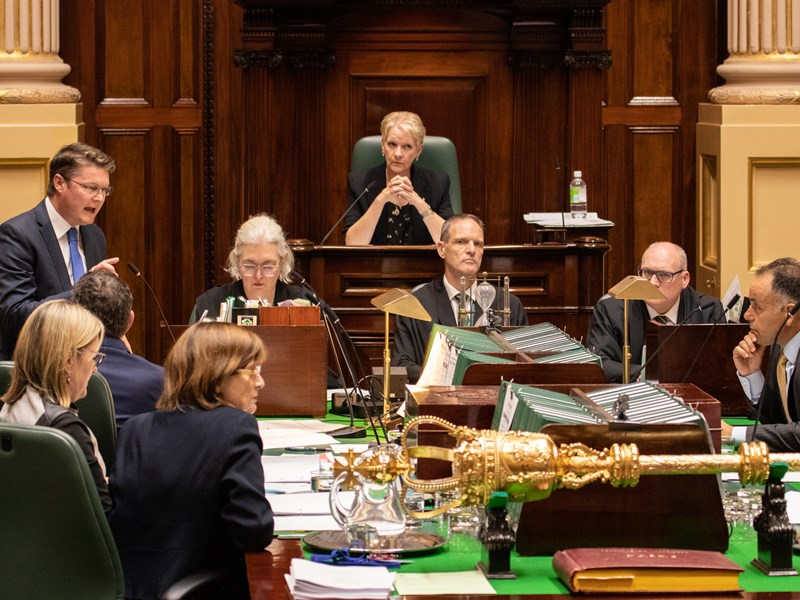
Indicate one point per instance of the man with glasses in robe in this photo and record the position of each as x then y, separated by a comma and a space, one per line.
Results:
664, 264
45, 250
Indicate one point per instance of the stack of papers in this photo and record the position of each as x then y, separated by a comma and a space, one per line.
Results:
555, 219
310, 580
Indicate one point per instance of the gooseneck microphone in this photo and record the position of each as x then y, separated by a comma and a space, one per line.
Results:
716, 322
135, 270
370, 185
789, 315
705, 306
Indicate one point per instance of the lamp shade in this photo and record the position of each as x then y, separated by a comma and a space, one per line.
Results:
401, 302
635, 288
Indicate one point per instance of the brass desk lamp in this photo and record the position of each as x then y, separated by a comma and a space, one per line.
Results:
405, 304
632, 288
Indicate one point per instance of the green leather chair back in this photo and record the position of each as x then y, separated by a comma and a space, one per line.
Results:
5, 375
438, 154
56, 537
97, 411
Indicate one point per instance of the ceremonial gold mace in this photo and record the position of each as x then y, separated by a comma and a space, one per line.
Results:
530, 466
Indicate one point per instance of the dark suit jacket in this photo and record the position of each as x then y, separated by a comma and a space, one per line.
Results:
135, 383
779, 435
606, 335
431, 185
188, 494
32, 268
411, 335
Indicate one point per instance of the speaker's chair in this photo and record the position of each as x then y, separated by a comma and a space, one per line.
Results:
438, 154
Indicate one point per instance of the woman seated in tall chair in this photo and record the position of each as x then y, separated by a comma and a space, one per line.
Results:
188, 485
261, 264
399, 203
57, 352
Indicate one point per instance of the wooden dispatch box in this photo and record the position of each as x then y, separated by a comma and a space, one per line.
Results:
295, 371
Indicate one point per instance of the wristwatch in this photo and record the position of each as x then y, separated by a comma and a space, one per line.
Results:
427, 212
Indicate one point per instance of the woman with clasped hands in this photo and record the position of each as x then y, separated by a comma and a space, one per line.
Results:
404, 204
56, 354
188, 485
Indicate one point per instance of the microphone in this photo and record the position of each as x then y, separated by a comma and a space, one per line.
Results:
729, 306
789, 315
706, 306
370, 185
135, 270
335, 332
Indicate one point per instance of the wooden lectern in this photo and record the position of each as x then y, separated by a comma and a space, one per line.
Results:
713, 372
294, 372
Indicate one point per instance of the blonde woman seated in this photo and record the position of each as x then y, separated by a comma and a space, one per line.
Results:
188, 485
56, 354
404, 204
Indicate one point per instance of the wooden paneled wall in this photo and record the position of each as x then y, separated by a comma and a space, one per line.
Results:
214, 112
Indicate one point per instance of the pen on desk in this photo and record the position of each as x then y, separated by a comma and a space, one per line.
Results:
269, 491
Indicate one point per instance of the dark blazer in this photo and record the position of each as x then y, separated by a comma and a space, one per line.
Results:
32, 268
188, 494
606, 328
135, 383
431, 185
411, 335
779, 434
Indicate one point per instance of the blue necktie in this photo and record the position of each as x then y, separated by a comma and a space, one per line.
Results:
75, 256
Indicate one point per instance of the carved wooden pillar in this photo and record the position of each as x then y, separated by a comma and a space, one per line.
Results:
278, 63
544, 58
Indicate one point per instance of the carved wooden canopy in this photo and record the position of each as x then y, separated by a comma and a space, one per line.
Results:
539, 33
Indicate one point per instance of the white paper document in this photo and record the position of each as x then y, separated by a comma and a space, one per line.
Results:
289, 467
285, 438
312, 503
303, 425
306, 523
556, 219
441, 584
310, 580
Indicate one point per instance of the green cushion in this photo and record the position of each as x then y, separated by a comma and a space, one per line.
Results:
438, 154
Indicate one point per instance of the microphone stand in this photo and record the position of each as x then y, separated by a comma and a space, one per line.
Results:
671, 333
135, 270
732, 302
344, 214
335, 339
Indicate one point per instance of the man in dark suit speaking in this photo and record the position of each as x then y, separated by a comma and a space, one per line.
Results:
45, 250
461, 248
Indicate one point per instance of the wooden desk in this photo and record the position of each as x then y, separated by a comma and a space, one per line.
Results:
265, 571
559, 283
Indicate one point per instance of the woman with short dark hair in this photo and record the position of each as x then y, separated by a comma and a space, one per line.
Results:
188, 485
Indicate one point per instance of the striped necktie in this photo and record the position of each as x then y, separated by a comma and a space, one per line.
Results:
663, 319
780, 375
467, 322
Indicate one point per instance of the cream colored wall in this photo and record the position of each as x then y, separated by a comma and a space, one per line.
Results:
29, 135
748, 192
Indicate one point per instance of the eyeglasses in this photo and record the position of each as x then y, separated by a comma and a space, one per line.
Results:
98, 357
662, 276
92, 189
254, 372
250, 269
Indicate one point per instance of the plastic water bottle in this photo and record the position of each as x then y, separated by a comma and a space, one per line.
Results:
577, 196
